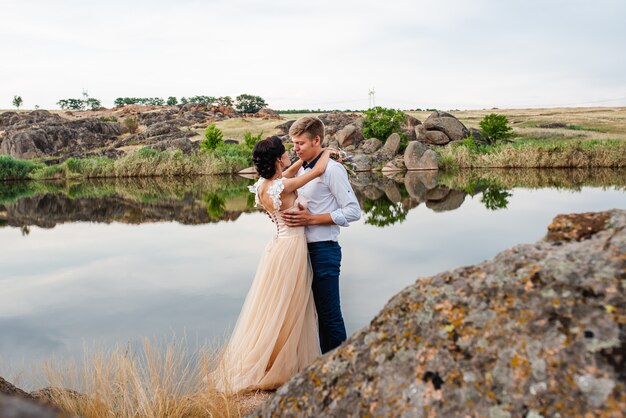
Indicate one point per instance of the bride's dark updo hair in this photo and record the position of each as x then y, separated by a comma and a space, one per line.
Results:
265, 154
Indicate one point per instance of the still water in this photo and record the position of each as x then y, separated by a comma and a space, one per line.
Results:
107, 262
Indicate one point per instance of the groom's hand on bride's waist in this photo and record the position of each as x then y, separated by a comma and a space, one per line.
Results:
303, 217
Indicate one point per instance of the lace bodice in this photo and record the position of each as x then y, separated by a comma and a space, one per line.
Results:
274, 190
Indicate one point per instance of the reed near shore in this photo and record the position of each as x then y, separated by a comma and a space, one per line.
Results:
536, 153
143, 381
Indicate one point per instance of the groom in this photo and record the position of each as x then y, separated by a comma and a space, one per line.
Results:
331, 204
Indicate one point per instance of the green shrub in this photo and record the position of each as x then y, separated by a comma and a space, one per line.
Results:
381, 122
131, 124
57, 171
495, 127
90, 167
214, 138
12, 169
108, 119
147, 152
251, 140
171, 101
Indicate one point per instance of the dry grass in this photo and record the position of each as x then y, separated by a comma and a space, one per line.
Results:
150, 381
536, 154
583, 123
237, 127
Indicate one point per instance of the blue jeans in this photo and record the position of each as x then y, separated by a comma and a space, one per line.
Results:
326, 262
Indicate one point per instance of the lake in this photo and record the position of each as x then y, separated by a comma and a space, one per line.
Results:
106, 262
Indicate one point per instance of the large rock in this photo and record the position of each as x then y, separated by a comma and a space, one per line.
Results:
418, 156
283, 128
18, 407
8, 388
538, 331
412, 122
349, 135
392, 145
363, 162
371, 145
436, 138
448, 124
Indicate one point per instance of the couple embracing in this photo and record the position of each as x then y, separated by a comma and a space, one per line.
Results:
295, 292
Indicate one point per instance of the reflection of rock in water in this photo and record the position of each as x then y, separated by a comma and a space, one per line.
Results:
50, 209
453, 200
409, 189
536, 331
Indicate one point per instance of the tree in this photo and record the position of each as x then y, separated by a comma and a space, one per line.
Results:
183, 100
17, 101
205, 100
251, 140
214, 138
171, 101
71, 104
495, 127
225, 101
247, 103
93, 104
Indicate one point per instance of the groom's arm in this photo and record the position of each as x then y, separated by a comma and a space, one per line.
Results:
348, 211
339, 185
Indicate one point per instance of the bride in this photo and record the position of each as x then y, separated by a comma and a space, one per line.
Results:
276, 333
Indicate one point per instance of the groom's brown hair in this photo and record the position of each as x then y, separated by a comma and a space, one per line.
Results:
310, 125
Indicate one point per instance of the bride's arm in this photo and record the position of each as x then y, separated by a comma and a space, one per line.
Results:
293, 169
295, 183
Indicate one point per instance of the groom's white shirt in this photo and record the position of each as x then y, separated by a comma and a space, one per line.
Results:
330, 193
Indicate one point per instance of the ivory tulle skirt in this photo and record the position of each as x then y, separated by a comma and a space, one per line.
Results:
276, 334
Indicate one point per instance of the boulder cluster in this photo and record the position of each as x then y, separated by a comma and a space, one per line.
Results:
345, 130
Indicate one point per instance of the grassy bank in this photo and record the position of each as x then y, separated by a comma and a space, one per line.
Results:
145, 162
534, 153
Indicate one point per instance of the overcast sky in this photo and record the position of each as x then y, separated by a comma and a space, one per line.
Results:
446, 54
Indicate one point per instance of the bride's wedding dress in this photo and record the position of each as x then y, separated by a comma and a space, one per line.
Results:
276, 333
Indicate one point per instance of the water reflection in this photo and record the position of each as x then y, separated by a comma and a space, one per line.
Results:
385, 200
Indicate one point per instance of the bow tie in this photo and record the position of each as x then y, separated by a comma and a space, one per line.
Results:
310, 165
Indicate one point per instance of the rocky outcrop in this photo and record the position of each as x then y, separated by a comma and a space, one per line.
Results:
161, 136
40, 134
267, 113
538, 331
283, 128
336, 121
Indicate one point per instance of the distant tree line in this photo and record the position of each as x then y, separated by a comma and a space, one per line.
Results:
83, 103
244, 103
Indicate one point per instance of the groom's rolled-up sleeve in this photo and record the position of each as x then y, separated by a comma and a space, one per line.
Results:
349, 209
